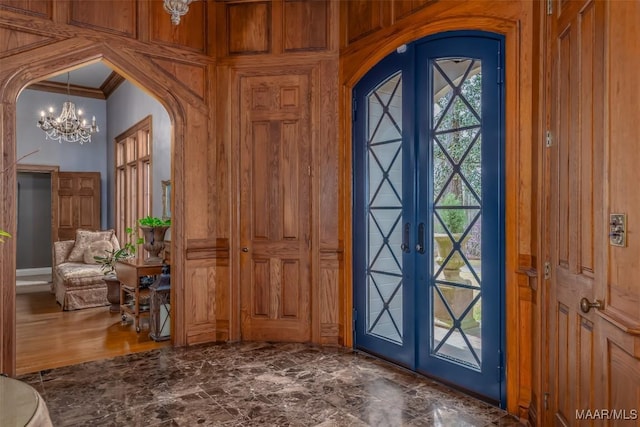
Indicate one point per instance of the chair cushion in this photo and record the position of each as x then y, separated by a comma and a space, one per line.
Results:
83, 239
97, 248
78, 270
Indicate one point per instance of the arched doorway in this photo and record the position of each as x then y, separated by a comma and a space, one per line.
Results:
428, 210
26, 71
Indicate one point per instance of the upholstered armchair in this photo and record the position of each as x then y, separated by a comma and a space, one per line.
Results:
77, 280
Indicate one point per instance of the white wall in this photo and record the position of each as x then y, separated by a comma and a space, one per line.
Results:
126, 107
71, 157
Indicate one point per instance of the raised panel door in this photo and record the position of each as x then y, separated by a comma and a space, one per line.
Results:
77, 197
275, 207
575, 208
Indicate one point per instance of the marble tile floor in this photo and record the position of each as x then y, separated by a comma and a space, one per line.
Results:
247, 384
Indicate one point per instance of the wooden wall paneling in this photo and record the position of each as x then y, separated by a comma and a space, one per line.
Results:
196, 181
514, 21
192, 76
200, 301
328, 313
619, 387
525, 326
402, 8
13, 41
190, 34
364, 17
540, 222
328, 157
8, 211
327, 194
115, 16
623, 157
305, 25
40, 8
225, 199
248, 27
623, 388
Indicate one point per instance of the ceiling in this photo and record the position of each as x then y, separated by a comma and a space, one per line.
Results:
95, 80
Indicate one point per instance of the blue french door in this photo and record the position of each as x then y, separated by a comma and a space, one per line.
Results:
428, 210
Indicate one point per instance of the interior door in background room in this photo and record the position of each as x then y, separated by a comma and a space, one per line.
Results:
77, 201
275, 240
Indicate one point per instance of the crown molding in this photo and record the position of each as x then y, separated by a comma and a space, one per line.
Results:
75, 90
111, 84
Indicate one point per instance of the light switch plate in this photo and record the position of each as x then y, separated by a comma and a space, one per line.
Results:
618, 229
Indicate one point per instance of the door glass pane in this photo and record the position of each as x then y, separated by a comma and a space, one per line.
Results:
456, 285
384, 209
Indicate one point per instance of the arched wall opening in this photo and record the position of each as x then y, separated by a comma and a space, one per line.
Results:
25, 71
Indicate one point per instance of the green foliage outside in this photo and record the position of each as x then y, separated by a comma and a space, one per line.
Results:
454, 219
459, 116
456, 132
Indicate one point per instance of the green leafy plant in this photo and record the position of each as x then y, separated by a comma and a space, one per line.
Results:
154, 221
3, 234
454, 219
108, 261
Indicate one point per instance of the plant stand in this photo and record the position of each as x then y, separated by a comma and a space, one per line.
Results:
113, 293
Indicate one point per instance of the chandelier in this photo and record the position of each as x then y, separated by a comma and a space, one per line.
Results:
176, 8
68, 126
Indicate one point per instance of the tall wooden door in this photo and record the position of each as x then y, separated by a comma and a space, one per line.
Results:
594, 298
76, 201
275, 240
576, 201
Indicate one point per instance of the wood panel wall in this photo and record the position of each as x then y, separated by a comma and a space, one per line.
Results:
195, 70
620, 334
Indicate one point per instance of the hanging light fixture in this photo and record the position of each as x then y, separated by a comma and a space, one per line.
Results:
68, 126
176, 8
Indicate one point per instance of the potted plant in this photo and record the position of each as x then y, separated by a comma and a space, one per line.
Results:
455, 220
458, 298
108, 266
154, 229
108, 261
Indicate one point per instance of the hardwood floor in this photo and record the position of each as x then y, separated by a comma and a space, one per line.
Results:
47, 337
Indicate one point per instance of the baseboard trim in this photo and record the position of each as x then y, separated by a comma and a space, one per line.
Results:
33, 271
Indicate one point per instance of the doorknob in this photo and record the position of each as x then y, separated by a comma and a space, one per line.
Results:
405, 238
586, 305
420, 245
245, 249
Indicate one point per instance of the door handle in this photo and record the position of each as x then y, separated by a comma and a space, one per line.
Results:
405, 238
421, 237
245, 249
586, 305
